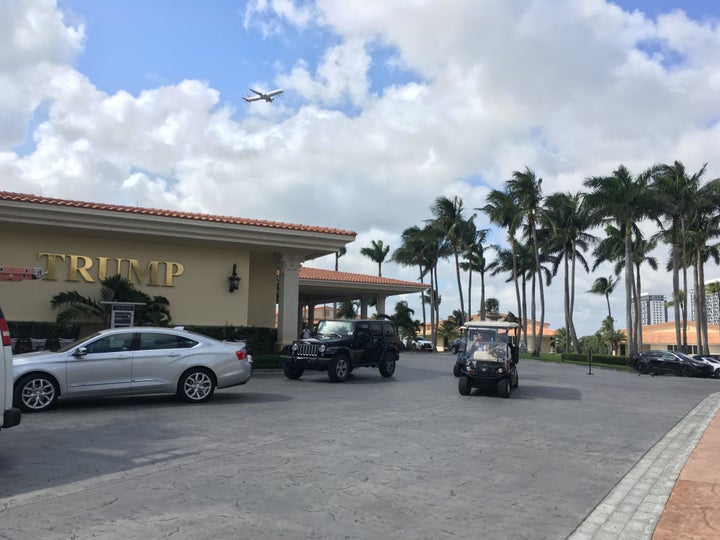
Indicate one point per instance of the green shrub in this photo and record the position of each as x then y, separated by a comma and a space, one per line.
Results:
596, 359
260, 341
267, 361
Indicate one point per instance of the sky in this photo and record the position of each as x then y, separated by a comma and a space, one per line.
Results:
386, 106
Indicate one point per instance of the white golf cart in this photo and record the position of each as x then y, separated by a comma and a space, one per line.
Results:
490, 357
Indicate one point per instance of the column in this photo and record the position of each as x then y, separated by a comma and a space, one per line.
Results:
288, 298
380, 306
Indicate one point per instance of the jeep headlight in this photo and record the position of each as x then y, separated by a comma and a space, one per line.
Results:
322, 348
295, 346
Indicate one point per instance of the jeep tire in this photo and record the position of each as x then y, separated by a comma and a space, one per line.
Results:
293, 369
387, 364
339, 368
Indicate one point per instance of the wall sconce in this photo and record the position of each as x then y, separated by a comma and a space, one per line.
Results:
234, 279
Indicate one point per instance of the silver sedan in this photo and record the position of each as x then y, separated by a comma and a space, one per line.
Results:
126, 361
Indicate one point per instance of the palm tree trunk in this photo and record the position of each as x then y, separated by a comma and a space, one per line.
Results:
482, 295
698, 316
538, 271
566, 302
676, 294
629, 283
639, 334
470, 272
703, 303
517, 288
576, 345
459, 284
422, 298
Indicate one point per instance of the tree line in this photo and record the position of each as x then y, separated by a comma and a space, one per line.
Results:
545, 233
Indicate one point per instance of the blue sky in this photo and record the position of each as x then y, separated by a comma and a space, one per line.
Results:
387, 105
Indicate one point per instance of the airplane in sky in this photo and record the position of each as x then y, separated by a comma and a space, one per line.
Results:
269, 96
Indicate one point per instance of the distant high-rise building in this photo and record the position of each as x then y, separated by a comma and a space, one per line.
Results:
652, 309
712, 301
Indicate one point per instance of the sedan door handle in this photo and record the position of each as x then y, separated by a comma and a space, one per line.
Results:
174, 355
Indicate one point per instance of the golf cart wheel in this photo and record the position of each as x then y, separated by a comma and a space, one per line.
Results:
457, 370
503, 388
464, 386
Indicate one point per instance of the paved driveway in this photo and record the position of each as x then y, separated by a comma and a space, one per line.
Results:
406, 457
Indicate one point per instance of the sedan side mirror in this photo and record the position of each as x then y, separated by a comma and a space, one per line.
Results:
80, 351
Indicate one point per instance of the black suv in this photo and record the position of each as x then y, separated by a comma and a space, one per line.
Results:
339, 346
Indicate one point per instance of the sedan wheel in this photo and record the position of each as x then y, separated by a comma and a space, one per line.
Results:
196, 385
36, 393
717, 373
642, 367
687, 371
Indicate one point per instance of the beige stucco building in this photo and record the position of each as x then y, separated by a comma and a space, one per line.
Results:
182, 256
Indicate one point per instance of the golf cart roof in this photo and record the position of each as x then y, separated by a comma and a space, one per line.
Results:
490, 324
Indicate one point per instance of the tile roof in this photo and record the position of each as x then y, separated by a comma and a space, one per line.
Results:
35, 199
348, 277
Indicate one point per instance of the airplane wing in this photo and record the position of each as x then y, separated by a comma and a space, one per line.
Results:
250, 99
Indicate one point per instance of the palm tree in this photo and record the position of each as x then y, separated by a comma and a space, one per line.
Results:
605, 286
526, 190
677, 192
376, 253
624, 200
347, 309
405, 324
448, 214
500, 209
475, 262
339, 253
411, 253
703, 226
566, 219
75, 307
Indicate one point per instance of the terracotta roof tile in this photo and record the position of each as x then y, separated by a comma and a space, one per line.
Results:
35, 199
348, 277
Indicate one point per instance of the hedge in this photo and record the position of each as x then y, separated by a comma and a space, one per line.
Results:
259, 341
596, 358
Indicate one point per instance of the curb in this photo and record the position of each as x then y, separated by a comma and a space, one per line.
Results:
634, 506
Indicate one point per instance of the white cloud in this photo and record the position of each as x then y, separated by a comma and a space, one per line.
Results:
561, 86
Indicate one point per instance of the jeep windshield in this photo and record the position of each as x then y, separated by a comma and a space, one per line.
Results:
330, 329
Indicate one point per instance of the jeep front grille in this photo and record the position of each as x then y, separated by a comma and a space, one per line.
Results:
308, 349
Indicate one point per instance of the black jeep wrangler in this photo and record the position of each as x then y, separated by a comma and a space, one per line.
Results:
339, 346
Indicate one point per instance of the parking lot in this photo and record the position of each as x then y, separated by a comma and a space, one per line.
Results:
406, 457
